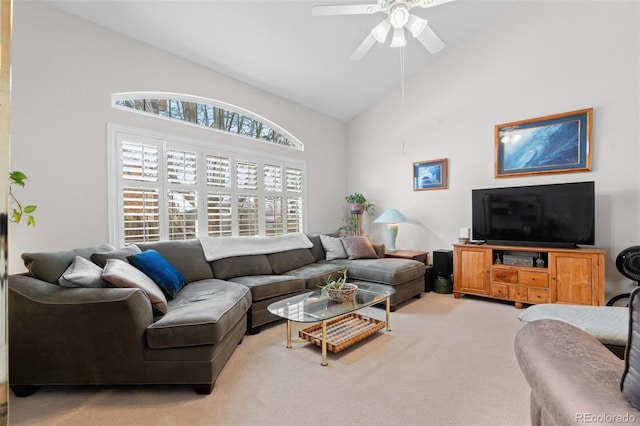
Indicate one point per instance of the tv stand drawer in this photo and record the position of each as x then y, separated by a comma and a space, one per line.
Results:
509, 276
534, 279
539, 295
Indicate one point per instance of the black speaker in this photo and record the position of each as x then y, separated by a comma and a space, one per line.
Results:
443, 262
429, 276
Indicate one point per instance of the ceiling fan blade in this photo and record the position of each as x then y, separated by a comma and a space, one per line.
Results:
428, 3
364, 47
430, 40
345, 9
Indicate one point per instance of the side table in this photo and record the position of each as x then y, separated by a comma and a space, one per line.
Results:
420, 256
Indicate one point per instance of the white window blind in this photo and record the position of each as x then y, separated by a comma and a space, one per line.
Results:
181, 167
141, 215
168, 189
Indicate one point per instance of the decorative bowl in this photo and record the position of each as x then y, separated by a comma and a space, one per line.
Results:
346, 293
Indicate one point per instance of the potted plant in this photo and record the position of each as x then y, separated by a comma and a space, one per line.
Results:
340, 290
358, 203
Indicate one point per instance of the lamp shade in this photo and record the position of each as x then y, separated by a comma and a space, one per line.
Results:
391, 216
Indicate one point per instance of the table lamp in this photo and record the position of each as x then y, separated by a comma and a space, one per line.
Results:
392, 218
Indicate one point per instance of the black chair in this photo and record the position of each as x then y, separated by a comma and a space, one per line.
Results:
628, 263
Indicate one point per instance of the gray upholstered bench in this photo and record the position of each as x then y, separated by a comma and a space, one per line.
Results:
608, 324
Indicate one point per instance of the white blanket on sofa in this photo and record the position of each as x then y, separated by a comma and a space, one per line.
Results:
220, 247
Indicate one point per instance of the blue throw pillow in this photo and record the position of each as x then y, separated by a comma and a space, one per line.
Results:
156, 267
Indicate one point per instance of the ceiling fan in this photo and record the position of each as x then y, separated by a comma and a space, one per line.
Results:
398, 18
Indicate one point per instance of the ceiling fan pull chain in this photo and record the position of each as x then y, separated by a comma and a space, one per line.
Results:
402, 74
404, 139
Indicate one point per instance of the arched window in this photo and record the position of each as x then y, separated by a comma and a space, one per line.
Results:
207, 113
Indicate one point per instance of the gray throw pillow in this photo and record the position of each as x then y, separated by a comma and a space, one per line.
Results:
49, 266
101, 258
333, 247
121, 274
359, 248
82, 273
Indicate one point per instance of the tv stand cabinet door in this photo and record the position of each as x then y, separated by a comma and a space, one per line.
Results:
577, 278
471, 270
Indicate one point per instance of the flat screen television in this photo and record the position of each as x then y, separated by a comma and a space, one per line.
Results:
557, 215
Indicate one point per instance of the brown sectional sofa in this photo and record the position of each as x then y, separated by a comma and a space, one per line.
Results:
60, 335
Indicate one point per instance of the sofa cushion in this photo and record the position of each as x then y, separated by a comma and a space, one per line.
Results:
267, 286
288, 260
239, 266
185, 255
384, 271
100, 258
333, 247
359, 248
49, 266
163, 273
122, 274
630, 382
201, 314
317, 250
316, 274
82, 273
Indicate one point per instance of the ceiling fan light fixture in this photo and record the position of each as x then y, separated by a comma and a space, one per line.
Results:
398, 39
416, 25
381, 31
399, 15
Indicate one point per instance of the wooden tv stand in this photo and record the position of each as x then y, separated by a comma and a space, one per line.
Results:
571, 276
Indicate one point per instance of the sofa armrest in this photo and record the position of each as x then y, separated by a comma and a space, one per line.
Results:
61, 335
571, 374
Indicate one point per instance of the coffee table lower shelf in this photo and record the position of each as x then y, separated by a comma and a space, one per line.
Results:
342, 332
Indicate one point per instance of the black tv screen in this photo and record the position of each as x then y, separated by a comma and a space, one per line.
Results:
556, 215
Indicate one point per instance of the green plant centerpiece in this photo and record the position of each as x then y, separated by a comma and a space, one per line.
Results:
340, 290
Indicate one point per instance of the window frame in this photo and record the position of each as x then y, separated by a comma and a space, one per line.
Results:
227, 107
202, 147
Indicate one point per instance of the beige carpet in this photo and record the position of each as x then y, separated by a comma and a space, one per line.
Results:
446, 362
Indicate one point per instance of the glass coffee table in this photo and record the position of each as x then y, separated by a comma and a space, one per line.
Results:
339, 325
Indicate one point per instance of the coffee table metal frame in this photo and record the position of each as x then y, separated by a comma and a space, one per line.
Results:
316, 307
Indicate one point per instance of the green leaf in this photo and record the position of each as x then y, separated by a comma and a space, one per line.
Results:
30, 209
31, 221
17, 216
17, 177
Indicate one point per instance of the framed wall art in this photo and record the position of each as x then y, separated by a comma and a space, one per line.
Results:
433, 174
559, 143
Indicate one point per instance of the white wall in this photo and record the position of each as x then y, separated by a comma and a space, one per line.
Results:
64, 72
540, 58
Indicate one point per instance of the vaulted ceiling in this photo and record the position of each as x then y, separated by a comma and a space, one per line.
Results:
280, 47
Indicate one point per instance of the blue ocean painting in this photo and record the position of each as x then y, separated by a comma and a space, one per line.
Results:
549, 146
428, 176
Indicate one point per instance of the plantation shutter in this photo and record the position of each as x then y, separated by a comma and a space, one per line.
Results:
140, 190
182, 198
294, 200
247, 198
171, 190
273, 204
219, 206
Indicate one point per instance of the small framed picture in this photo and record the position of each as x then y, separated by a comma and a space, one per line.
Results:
433, 174
558, 143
